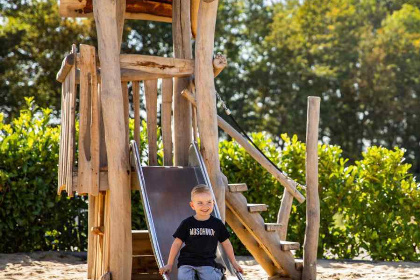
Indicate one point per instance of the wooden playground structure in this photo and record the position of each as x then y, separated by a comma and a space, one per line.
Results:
95, 91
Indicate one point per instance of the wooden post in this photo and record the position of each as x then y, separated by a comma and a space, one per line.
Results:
126, 104
150, 89
136, 105
167, 92
206, 98
312, 204
107, 18
181, 34
284, 213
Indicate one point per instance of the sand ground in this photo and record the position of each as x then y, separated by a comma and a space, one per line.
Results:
61, 266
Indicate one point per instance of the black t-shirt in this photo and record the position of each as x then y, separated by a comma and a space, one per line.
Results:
200, 238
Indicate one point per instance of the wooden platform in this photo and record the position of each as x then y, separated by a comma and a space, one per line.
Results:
156, 10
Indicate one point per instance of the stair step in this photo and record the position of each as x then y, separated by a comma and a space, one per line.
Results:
241, 187
253, 208
289, 245
299, 264
273, 227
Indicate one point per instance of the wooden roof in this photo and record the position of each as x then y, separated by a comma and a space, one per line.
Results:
156, 10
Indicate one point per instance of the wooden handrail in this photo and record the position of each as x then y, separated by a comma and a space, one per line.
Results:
288, 183
66, 65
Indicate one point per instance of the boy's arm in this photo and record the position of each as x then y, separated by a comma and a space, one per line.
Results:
227, 246
176, 245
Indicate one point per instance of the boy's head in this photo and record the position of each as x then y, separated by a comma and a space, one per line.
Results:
202, 200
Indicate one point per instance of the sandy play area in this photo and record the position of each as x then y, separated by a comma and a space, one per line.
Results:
60, 266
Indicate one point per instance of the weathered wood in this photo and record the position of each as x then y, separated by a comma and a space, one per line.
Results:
97, 230
253, 208
136, 107
107, 230
144, 264
273, 227
289, 245
157, 65
219, 63
206, 99
181, 36
312, 205
91, 246
166, 115
299, 264
120, 260
85, 118
141, 243
284, 213
66, 66
141, 10
252, 245
106, 276
150, 88
195, 4
238, 187
126, 104
268, 241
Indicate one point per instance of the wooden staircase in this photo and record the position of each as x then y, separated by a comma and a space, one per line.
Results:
144, 262
260, 238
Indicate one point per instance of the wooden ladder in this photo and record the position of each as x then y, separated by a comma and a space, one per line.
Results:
260, 238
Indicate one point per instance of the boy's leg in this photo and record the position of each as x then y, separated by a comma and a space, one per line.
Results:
186, 272
209, 273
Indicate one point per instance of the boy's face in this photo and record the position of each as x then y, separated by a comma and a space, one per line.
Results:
202, 204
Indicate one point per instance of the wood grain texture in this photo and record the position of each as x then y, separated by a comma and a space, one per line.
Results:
312, 205
284, 213
120, 260
166, 115
136, 107
150, 89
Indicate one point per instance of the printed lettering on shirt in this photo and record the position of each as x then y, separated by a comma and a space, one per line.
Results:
202, 231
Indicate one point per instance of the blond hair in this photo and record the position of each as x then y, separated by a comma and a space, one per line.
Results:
201, 188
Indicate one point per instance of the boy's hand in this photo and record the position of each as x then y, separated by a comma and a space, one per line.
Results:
166, 269
237, 267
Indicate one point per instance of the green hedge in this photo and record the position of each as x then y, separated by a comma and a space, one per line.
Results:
371, 205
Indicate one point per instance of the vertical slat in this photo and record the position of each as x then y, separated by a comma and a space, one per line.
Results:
284, 213
136, 107
107, 223
72, 127
95, 121
91, 244
124, 87
66, 133
102, 145
84, 168
150, 88
167, 91
60, 155
312, 203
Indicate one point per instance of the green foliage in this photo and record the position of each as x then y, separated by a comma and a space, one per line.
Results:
32, 216
372, 205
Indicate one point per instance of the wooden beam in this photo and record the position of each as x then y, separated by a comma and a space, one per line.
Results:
219, 63
312, 205
166, 115
206, 99
284, 213
195, 4
136, 107
105, 13
66, 65
150, 88
157, 65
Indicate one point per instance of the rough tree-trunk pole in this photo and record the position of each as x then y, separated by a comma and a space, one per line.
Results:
312, 199
206, 98
181, 34
109, 20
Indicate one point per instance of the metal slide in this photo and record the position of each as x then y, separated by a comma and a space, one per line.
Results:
165, 193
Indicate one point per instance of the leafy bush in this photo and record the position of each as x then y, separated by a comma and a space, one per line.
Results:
32, 216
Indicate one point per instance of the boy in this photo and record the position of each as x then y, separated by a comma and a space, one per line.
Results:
200, 233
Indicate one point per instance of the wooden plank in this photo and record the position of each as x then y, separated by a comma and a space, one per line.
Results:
150, 88
251, 244
84, 167
60, 154
140, 10
241, 187
181, 36
268, 241
299, 264
158, 65
141, 243
107, 230
144, 264
273, 227
126, 104
102, 145
167, 92
91, 253
66, 66
312, 205
253, 208
289, 245
120, 261
136, 107
195, 4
